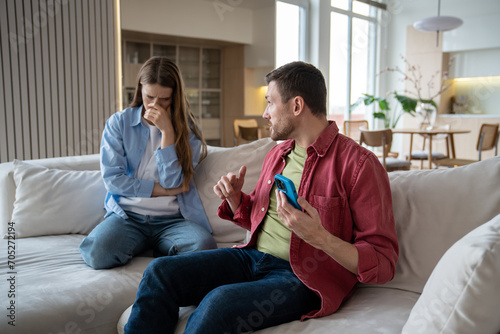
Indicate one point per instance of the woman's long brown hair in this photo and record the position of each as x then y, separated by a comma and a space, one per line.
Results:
163, 71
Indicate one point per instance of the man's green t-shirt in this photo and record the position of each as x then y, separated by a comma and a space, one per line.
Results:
274, 235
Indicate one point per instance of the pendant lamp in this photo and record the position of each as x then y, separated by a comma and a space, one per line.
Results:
438, 23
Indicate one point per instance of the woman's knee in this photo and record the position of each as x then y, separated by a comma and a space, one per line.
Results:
205, 242
201, 239
98, 255
191, 238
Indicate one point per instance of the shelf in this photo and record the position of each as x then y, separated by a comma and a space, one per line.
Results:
137, 53
201, 72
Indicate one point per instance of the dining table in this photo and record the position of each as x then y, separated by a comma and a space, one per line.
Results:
430, 132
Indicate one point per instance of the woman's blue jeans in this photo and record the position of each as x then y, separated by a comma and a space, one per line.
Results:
235, 290
116, 240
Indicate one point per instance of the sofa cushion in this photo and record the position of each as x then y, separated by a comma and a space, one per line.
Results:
219, 162
463, 292
53, 201
57, 292
435, 208
368, 310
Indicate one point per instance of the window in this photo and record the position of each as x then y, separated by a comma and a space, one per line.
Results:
352, 56
346, 53
290, 31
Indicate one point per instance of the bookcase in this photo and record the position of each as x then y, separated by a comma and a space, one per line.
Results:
201, 69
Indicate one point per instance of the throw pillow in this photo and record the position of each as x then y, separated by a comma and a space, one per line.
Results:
462, 294
219, 162
54, 201
433, 209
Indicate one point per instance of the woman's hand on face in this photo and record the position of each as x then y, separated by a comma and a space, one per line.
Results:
160, 117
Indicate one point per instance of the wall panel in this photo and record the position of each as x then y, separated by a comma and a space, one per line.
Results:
58, 76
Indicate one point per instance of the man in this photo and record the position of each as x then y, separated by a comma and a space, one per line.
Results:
298, 264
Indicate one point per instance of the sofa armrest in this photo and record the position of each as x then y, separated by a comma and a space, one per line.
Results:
7, 195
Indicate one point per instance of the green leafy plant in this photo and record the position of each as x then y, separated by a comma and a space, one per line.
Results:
384, 112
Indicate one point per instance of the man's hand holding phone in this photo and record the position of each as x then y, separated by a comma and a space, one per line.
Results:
286, 186
304, 221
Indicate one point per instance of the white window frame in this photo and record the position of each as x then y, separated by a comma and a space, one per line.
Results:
314, 40
372, 57
303, 26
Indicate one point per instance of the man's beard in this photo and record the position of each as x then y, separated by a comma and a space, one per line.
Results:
283, 133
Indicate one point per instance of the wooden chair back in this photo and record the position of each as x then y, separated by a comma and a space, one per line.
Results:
488, 137
352, 128
247, 123
377, 138
248, 133
487, 140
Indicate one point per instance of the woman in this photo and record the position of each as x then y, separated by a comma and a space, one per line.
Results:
148, 155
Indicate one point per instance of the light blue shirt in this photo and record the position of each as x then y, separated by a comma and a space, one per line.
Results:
123, 143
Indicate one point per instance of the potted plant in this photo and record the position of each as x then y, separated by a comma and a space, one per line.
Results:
382, 111
414, 104
426, 107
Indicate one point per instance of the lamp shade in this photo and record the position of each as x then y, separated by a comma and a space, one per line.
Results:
438, 23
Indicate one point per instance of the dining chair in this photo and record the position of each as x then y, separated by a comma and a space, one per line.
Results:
423, 154
487, 140
383, 138
248, 134
243, 123
352, 128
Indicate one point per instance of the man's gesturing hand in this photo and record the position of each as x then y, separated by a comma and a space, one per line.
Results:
229, 188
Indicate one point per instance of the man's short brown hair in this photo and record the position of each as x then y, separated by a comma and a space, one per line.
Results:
301, 79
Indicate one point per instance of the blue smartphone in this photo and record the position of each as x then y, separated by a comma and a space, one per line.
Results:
286, 185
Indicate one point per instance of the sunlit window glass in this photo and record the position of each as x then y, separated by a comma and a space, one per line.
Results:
352, 58
341, 4
360, 8
287, 33
360, 70
338, 64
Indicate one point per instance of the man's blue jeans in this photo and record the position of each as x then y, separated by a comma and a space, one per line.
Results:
235, 290
116, 240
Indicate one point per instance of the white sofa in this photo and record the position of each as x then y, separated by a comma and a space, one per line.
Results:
447, 279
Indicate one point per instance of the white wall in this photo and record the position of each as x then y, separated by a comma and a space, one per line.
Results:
480, 29
260, 55
216, 20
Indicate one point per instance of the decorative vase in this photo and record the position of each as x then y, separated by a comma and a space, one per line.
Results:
427, 113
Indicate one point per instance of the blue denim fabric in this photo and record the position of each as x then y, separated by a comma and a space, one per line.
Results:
116, 240
235, 290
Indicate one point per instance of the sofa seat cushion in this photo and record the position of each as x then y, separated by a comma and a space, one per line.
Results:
369, 309
424, 155
395, 163
462, 294
56, 292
